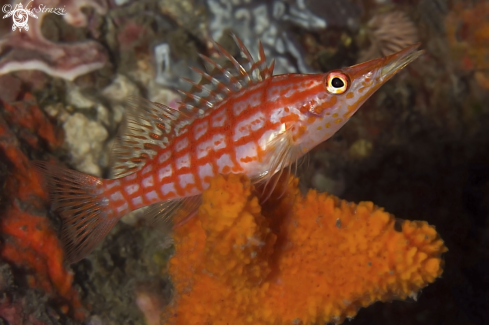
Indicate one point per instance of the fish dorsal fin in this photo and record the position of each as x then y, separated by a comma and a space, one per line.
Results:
227, 76
148, 128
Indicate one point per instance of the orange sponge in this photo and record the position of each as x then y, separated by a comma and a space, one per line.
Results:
299, 260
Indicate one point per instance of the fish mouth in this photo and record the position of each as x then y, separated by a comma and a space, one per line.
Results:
385, 67
397, 61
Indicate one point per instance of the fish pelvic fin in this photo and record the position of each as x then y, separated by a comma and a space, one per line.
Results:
84, 210
166, 215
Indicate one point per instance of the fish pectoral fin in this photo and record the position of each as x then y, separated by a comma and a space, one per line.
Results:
147, 128
169, 214
283, 161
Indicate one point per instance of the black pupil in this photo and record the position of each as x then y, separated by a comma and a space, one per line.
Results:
337, 83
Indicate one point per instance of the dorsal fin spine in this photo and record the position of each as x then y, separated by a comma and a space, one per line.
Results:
201, 87
244, 50
232, 79
269, 72
265, 73
152, 126
197, 99
213, 80
236, 64
148, 128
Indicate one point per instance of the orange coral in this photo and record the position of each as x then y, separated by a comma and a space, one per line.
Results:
298, 260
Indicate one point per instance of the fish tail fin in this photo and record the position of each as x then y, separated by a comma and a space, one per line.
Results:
85, 213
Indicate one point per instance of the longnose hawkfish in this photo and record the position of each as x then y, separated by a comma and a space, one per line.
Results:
239, 118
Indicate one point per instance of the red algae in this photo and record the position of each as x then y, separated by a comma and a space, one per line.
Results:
29, 241
298, 260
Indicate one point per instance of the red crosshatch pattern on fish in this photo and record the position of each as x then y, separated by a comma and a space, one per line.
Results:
238, 119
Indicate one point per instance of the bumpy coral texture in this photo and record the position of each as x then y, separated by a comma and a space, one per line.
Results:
296, 260
29, 243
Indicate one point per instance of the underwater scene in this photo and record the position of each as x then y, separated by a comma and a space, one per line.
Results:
301, 162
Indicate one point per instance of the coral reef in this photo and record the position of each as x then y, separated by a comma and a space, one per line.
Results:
122, 281
30, 50
468, 35
30, 244
270, 21
417, 148
299, 260
84, 139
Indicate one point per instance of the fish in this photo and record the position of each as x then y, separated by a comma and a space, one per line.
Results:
239, 118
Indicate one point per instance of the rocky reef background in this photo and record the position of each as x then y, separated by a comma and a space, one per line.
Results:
418, 147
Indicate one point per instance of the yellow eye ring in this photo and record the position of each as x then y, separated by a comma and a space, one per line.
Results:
337, 83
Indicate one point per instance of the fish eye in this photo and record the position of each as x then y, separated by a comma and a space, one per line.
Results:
336, 83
